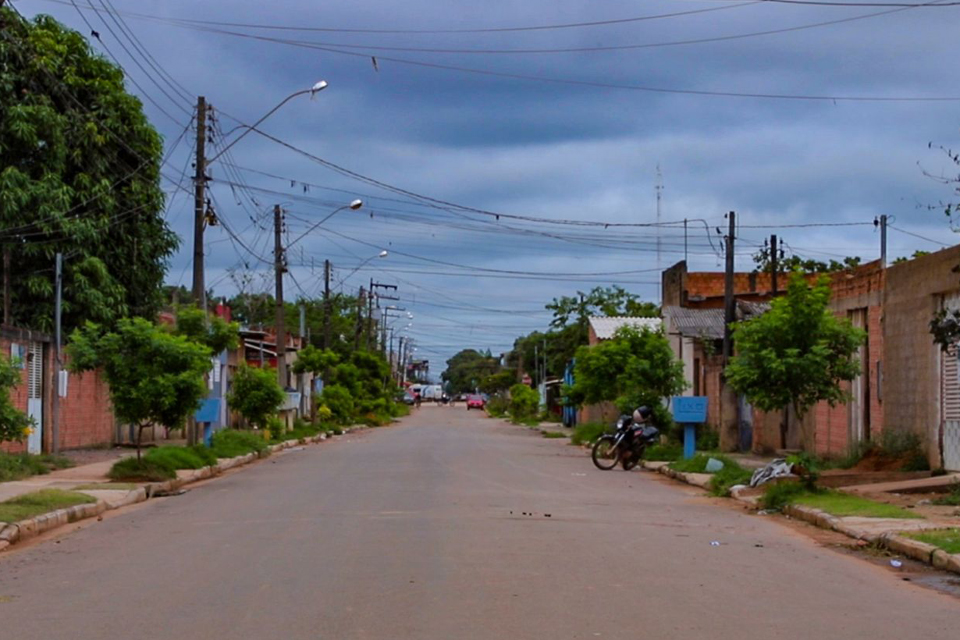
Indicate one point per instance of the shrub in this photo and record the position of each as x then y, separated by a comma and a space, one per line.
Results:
16, 466
524, 403
324, 414
497, 406
143, 470
195, 457
230, 443
276, 427
778, 494
708, 438
256, 394
588, 432
340, 403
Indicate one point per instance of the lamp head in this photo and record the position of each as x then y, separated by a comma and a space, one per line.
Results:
356, 204
383, 254
320, 86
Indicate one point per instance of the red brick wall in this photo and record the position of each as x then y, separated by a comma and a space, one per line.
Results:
86, 415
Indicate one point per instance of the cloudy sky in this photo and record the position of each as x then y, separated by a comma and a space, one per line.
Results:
554, 112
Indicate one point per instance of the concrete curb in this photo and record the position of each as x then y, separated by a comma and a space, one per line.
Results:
920, 551
15, 532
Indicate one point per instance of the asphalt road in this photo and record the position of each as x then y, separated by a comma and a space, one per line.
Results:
418, 532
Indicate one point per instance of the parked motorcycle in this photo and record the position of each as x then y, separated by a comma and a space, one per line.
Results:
627, 443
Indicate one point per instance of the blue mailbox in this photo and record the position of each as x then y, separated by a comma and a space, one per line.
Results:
689, 411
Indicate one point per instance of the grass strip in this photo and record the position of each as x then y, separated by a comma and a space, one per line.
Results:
40, 502
946, 539
844, 504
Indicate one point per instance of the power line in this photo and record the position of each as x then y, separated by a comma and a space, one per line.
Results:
917, 235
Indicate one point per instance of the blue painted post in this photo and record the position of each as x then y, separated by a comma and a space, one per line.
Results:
689, 440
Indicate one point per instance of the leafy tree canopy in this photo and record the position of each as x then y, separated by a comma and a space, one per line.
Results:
155, 377
631, 369
466, 369
80, 175
797, 353
206, 329
256, 394
789, 264
600, 301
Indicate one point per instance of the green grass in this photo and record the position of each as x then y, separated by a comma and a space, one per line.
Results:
40, 502
698, 463
17, 466
133, 470
952, 499
195, 457
946, 539
663, 452
230, 443
588, 432
845, 504
554, 434
729, 476
106, 486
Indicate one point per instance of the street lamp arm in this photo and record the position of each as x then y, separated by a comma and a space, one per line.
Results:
252, 127
352, 205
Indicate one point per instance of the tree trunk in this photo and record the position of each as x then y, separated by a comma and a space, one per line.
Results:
140, 429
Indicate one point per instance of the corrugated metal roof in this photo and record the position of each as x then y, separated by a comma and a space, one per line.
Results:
708, 323
606, 327
696, 323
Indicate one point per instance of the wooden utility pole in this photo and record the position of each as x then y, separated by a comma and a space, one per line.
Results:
729, 305
57, 363
6, 286
327, 311
360, 300
278, 318
883, 241
773, 263
199, 205
370, 314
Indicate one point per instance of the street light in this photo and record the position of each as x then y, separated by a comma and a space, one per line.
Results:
353, 206
382, 254
317, 87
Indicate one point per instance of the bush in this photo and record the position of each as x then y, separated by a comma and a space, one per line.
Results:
276, 428
16, 466
524, 403
497, 406
340, 403
730, 476
230, 443
324, 414
708, 438
588, 432
778, 494
195, 457
144, 470
255, 394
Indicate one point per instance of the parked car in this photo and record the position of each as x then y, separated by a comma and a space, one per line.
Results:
475, 402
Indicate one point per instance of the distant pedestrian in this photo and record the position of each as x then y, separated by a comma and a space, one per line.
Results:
416, 399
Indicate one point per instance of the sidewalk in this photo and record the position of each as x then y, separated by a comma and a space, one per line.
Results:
881, 531
67, 479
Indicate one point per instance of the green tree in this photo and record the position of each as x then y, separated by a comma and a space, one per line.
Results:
80, 175
255, 394
203, 328
15, 425
497, 382
467, 368
797, 353
155, 377
524, 403
318, 362
599, 301
631, 369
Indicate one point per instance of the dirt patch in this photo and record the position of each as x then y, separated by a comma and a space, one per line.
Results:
875, 460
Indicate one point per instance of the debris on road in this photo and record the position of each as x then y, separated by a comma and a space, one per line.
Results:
778, 468
896, 564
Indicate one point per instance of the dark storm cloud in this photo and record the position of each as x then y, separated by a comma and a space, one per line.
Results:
556, 150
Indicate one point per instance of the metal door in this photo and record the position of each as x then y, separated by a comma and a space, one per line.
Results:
858, 389
35, 395
746, 424
950, 398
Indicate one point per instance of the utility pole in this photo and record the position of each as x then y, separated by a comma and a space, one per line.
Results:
883, 241
659, 198
303, 322
57, 363
6, 286
729, 305
373, 286
359, 332
773, 263
369, 328
326, 304
684, 239
279, 268
199, 204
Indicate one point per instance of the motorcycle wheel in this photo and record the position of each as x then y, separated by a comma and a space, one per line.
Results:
632, 460
605, 455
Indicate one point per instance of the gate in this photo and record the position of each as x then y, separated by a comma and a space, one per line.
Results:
35, 395
950, 398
